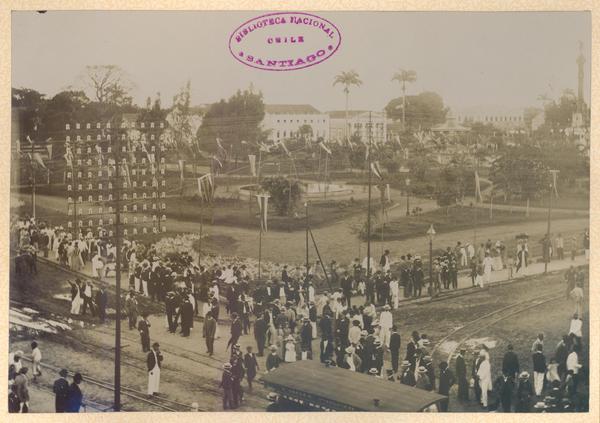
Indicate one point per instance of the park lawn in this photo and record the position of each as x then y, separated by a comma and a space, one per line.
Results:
567, 200
455, 219
244, 214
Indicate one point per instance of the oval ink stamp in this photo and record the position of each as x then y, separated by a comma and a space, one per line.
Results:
284, 41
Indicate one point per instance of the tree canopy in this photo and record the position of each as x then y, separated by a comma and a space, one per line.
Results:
422, 111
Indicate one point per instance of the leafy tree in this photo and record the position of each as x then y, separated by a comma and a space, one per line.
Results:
284, 193
422, 111
108, 84
520, 171
559, 115
234, 120
403, 76
347, 79
305, 132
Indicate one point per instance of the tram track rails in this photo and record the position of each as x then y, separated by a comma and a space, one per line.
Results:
463, 333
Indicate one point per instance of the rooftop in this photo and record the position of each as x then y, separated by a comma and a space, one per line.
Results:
291, 109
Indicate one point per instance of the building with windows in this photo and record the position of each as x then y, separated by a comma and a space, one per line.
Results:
284, 121
358, 125
504, 118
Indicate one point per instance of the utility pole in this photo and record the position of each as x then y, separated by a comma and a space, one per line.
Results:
306, 211
547, 244
369, 203
117, 401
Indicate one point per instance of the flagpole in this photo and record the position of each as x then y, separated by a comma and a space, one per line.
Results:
369, 204
306, 211
259, 249
32, 181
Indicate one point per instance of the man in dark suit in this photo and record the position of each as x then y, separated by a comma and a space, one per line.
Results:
346, 285
101, 303
260, 333
251, 365
476, 363
560, 355
445, 383
510, 364
395, 348
144, 330
306, 337
61, 392
236, 330
208, 332
461, 375
504, 386
187, 317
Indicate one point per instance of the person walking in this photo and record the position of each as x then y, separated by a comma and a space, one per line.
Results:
209, 331
446, 381
101, 303
61, 392
75, 401
484, 374
153, 362
144, 330
236, 330
510, 363
36, 359
395, 348
385, 325
539, 370
131, 308
461, 376
577, 296
227, 385
251, 365
22, 389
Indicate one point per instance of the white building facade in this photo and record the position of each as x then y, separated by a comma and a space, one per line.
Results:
358, 125
283, 121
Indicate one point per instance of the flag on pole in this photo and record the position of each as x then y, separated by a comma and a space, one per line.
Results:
477, 187
263, 205
181, 167
206, 188
252, 160
38, 159
554, 183
216, 165
376, 169
387, 193
69, 156
282, 144
324, 147
221, 151
49, 148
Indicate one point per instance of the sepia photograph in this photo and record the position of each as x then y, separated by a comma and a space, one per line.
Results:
291, 211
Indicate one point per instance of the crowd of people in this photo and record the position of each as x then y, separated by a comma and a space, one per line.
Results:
346, 309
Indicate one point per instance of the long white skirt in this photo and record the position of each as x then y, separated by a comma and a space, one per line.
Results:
154, 380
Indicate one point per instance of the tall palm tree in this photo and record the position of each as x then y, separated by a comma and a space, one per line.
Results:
403, 76
347, 79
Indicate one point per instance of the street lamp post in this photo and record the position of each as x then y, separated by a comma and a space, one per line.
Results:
431, 235
407, 196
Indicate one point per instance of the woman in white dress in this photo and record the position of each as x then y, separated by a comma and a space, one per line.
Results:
485, 377
290, 349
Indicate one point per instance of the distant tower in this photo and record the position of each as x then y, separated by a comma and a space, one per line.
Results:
580, 63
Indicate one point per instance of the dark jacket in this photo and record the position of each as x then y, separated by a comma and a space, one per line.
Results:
510, 364
75, 399
209, 329
260, 328
251, 365
461, 367
151, 361
273, 361
446, 382
395, 341
61, 392
539, 362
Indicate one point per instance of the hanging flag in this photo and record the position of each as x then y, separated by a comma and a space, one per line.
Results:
206, 188
376, 169
387, 193
263, 204
477, 188
252, 160
264, 147
554, 183
324, 147
215, 165
49, 148
397, 139
38, 159
282, 144
29, 139
181, 169
69, 156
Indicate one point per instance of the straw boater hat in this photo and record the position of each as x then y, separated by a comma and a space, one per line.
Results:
405, 363
425, 341
422, 369
273, 348
373, 371
524, 375
377, 341
386, 307
363, 333
227, 366
350, 349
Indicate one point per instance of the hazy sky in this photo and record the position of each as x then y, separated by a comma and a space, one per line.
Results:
471, 59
